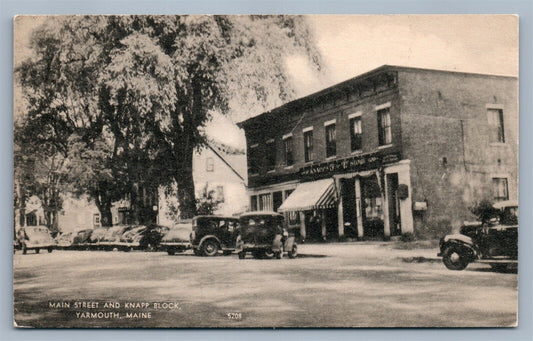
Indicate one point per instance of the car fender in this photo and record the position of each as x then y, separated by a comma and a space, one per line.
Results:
209, 236
461, 241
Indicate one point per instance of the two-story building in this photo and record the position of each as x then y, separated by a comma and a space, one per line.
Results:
391, 151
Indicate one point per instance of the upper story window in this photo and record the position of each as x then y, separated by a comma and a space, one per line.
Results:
495, 118
270, 155
288, 148
500, 189
308, 144
384, 126
356, 132
331, 138
209, 165
253, 160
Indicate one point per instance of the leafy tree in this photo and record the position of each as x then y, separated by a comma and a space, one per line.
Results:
124, 99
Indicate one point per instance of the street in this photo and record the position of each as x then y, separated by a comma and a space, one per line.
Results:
329, 285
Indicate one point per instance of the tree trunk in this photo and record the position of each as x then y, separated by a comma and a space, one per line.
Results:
104, 206
185, 182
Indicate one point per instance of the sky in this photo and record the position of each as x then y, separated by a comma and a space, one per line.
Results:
353, 44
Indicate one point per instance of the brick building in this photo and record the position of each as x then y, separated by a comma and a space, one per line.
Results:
391, 151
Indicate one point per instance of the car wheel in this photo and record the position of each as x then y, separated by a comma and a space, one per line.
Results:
454, 258
210, 248
171, 252
50, 250
242, 255
37, 250
268, 254
294, 252
24, 249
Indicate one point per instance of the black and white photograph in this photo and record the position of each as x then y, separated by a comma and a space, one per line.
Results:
265, 171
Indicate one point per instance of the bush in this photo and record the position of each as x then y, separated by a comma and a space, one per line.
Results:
407, 237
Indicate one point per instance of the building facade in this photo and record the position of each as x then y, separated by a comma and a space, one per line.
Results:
392, 151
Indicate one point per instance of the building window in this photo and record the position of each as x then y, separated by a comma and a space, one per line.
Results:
384, 127
495, 118
287, 144
253, 203
308, 145
209, 165
331, 140
220, 193
96, 219
499, 189
356, 134
270, 155
265, 202
253, 159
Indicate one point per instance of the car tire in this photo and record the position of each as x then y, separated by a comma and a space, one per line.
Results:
50, 250
24, 249
210, 248
37, 250
268, 254
171, 252
294, 252
242, 255
454, 259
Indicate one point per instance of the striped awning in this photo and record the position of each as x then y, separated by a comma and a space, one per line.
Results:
310, 196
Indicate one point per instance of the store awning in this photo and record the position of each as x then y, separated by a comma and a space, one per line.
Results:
310, 196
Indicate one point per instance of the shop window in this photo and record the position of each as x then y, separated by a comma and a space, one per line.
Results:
287, 144
265, 202
253, 160
356, 134
220, 193
331, 140
384, 127
253, 203
500, 189
270, 155
373, 208
495, 118
308, 145
209, 165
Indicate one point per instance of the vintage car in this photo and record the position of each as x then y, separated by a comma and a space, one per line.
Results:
65, 240
263, 234
212, 233
97, 235
82, 239
494, 242
143, 237
111, 239
176, 238
35, 238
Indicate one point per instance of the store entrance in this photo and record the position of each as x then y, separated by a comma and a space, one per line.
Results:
394, 204
372, 202
349, 212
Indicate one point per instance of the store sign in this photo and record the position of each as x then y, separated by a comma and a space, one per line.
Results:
351, 164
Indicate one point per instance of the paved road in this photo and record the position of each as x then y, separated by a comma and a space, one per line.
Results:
329, 285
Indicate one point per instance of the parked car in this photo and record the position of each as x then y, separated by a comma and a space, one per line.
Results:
97, 235
65, 240
82, 239
263, 234
176, 238
143, 237
35, 238
111, 238
494, 243
213, 233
